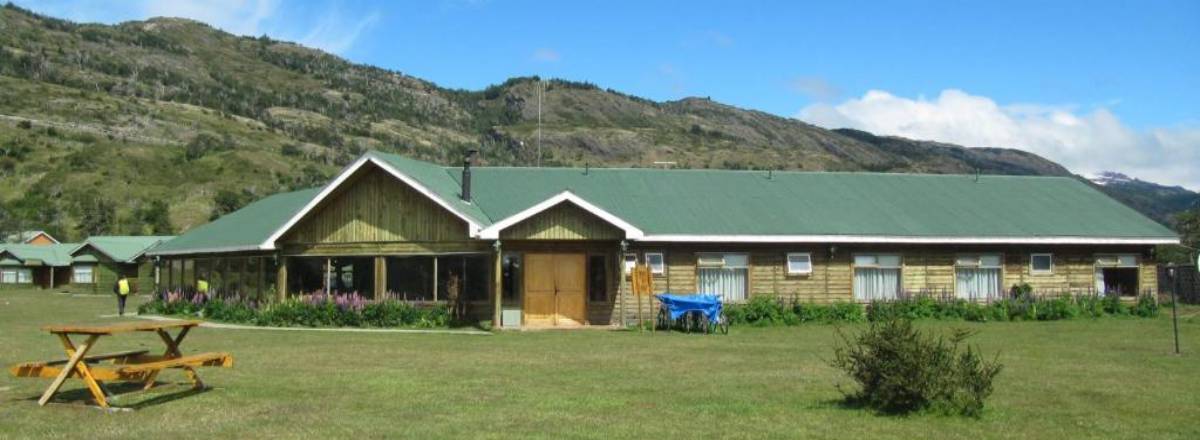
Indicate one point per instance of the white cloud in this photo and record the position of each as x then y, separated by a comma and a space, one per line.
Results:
242, 17
1086, 142
335, 35
328, 27
546, 55
814, 87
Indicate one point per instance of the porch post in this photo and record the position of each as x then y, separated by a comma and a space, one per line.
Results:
51, 277
621, 278
328, 275
281, 278
497, 286
380, 277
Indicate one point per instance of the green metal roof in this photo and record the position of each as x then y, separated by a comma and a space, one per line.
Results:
712, 202
49, 255
243, 229
742, 203
121, 248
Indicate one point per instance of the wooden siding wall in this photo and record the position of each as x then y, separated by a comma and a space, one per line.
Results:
925, 269
375, 207
564, 221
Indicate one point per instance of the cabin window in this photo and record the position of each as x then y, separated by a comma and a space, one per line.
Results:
724, 275
799, 263
656, 262
410, 278
470, 272
1041, 264
510, 271
977, 276
630, 262
1117, 274
876, 277
597, 273
16, 275
82, 274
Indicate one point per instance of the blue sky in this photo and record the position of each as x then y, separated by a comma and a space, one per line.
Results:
1093, 85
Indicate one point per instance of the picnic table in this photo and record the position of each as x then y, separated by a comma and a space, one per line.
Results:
124, 366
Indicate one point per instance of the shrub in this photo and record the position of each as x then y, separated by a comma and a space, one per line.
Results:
900, 370
1146, 307
317, 310
1113, 305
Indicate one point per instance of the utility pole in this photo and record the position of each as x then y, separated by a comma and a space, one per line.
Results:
540, 88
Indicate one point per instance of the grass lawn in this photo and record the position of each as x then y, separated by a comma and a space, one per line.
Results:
1111, 378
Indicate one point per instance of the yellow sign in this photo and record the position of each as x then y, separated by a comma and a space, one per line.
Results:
641, 281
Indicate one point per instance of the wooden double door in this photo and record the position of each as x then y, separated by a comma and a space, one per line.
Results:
555, 289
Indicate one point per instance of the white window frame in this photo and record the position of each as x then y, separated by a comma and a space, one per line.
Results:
854, 266
725, 264
661, 267
1117, 263
627, 263
24, 276
8, 275
1035, 271
91, 274
978, 263
876, 265
799, 271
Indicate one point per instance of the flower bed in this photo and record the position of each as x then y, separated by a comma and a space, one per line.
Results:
766, 311
312, 310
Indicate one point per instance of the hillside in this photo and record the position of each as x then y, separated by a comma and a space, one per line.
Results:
154, 126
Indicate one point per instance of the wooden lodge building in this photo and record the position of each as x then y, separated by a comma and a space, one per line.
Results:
548, 246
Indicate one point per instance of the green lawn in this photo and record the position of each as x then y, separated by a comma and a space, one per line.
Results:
1112, 378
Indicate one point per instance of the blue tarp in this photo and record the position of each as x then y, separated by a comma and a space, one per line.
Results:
677, 305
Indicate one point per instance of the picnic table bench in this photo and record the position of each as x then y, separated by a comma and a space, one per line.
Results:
125, 366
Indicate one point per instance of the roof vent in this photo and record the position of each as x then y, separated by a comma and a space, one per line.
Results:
466, 175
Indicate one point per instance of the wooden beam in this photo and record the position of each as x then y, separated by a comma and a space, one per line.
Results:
281, 279
497, 286
380, 277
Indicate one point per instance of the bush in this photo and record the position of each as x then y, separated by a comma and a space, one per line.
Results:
1146, 307
765, 311
348, 310
900, 370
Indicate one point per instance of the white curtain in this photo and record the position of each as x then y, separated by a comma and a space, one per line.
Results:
729, 284
976, 283
874, 284
1100, 281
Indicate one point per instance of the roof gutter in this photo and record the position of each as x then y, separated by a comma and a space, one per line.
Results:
894, 239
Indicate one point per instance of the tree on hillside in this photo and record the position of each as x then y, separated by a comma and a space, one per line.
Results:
97, 219
227, 201
1187, 225
156, 215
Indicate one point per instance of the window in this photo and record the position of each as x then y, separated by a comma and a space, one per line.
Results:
630, 261
799, 263
724, 275
597, 273
24, 276
1117, 274
876, 277
977, 276
16, 275
1041, 264
82, 274
511, 276
655, 261
1121, 260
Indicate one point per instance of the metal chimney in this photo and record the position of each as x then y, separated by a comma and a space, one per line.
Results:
466, 175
